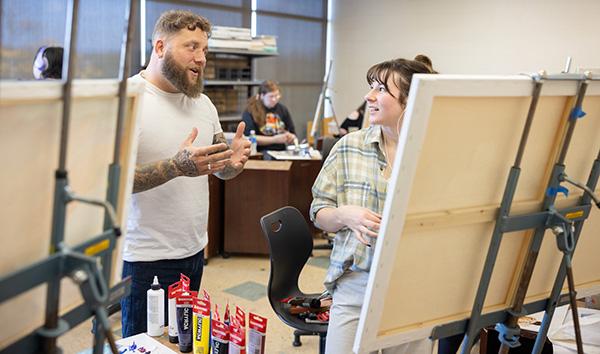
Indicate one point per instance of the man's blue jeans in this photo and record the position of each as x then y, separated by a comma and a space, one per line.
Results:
133, 306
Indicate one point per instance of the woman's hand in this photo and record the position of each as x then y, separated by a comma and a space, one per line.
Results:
362, 221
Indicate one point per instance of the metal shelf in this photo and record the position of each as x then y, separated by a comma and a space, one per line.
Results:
236, 117
232, 82
252, 53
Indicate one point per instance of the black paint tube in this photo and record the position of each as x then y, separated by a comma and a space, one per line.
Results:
185, 305
220, 337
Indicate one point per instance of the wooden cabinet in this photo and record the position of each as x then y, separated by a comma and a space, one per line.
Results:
215, 217
263, 187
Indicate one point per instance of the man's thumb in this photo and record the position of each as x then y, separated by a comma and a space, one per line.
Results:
240, 130
190, 138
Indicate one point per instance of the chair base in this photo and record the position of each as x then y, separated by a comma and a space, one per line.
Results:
322, 339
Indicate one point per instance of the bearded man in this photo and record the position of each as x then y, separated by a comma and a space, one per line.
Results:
168, 214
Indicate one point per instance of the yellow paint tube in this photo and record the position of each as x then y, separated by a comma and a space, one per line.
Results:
201, 329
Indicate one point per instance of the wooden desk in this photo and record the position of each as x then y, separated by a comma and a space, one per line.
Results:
215, 217
263, 187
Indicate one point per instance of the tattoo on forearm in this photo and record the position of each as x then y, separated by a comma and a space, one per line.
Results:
184, 163
154, 174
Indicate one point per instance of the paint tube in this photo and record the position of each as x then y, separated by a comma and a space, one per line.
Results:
257, 333
226, 315
220, 337
185, 304
185, 281
240, 317
201, 327
237, 340
175, 290
205, 295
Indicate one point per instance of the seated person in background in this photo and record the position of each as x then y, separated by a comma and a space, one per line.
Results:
354, 120
270, 120
47, 63
422, 58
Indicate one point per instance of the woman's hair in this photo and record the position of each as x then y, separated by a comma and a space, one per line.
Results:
401, 70
48, 62
255, 105
425, 60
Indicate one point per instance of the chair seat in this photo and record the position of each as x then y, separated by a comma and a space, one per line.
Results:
282, 311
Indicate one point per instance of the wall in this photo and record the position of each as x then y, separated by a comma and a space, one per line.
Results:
460, 36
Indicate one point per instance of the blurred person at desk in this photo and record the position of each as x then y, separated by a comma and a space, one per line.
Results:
354, 121
269, 119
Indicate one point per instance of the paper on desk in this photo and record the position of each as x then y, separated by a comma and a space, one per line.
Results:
557, 320
140, 343
561, 332
589, 322
571, 347
286, 155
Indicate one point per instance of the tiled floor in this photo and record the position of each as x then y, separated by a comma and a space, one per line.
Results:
238, 280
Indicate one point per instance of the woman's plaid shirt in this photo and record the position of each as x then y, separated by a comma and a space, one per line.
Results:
351, 175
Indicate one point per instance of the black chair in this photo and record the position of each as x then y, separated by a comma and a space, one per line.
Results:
290, 244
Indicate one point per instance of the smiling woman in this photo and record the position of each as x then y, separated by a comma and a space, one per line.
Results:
349, 196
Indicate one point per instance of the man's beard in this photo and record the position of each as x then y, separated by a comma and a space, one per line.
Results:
177, 76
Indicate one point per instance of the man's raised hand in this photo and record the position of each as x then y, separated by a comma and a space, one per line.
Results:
194, 161
240, 147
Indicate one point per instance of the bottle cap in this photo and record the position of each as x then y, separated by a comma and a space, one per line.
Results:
155, 284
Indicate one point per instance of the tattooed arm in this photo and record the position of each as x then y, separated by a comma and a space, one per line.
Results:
154, 174
241, 151
190, 161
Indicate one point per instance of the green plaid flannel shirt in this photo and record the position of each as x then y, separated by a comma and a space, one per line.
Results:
351, 175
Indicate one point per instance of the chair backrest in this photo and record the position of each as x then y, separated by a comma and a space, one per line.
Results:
290, 244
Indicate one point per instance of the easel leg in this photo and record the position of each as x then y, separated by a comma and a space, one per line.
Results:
573, 300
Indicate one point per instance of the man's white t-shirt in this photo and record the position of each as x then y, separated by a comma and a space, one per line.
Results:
169, 221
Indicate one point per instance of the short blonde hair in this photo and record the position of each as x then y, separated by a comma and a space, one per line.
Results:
173, 21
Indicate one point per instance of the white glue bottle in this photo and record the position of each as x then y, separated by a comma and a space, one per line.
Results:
156, 309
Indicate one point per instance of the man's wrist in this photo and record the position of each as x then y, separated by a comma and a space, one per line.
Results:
183, 163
